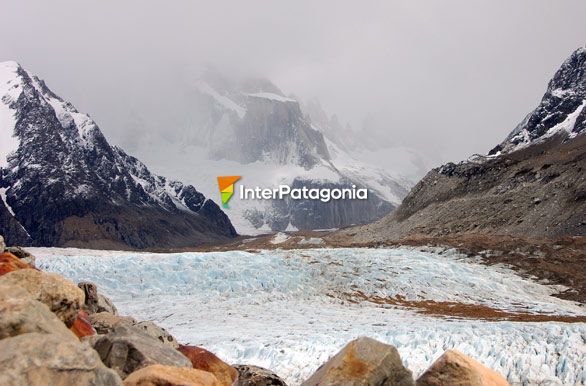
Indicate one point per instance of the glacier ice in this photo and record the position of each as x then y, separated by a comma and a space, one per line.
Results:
286, 309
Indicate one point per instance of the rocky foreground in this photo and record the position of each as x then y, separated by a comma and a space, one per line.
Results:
56, 332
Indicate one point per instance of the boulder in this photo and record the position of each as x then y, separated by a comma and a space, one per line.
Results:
23, 255
81, 326
9, 263
202, 359
159, 375
105, 322
457, 369
94, 301
257, 376
126, 350
20, 314
106, 305
157, 332
91, 296
47, 359
61, 296
363, 361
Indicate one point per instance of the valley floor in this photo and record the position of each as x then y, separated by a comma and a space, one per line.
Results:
290, 310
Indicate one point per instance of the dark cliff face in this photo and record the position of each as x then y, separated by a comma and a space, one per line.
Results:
67, 186
533, 185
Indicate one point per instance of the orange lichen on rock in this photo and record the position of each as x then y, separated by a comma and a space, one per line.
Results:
9, 263
81, 326
202, 359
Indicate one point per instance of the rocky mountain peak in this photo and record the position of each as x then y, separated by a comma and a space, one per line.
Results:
561, 112
56, 165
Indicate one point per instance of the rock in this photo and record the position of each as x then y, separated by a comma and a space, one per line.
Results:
61, 296
126, 350
363, 361
21, 314
157, 332
106, 305
9, 263
457, 369
91, 296
2, 244
202, 359
47, 359
105, 322
159, 375
257, 376
94, 301
23, 255
81, 326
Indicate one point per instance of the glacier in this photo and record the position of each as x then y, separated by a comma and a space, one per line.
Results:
287, 310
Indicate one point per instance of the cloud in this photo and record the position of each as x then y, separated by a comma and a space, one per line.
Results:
449, 78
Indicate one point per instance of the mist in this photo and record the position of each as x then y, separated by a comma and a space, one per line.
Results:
448, 79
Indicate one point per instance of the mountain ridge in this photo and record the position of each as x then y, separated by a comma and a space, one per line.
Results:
531, 185
62, 173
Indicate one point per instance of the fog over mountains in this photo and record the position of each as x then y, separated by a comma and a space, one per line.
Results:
447, 79
250, 127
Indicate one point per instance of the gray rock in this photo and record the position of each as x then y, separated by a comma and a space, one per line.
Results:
105, 322
22, 254
20, 313
363, 362
45, 359
95, 301
157, 332
257, 376
106, 305
91, 296
127, 349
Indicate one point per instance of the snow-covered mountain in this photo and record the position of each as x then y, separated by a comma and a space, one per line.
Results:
252, 129
61, 183
562, 110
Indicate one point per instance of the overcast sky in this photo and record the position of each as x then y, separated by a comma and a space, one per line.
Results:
449, 78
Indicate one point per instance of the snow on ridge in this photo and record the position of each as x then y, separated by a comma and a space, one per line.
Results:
221, 99
10, 90
567, 125
67, 114
3, 198
271, 96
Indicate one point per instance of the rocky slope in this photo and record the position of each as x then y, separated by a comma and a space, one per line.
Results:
63, 184
532, 185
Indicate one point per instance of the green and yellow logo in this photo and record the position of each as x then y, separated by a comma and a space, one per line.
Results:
226, 184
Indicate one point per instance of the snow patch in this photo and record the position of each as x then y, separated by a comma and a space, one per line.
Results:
280, 238
10, 90
3, 197
222, 100
311, 241
271, 96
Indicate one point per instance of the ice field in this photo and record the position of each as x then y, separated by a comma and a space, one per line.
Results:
289, 311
